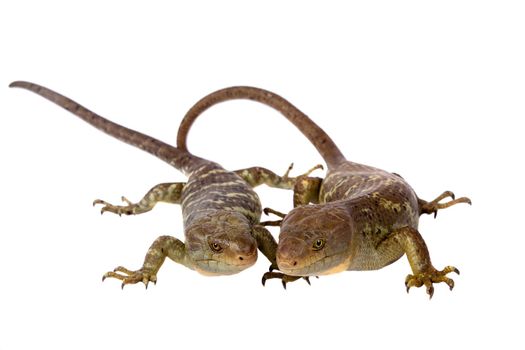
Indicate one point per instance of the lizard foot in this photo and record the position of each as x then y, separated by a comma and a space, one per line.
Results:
432, 207
131, 277
268, 211
306, 173
128, 209
430, 277
284, 278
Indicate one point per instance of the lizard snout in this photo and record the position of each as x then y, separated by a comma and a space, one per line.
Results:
289, 252
246, 253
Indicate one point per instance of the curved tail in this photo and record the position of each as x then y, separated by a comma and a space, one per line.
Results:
180, 159
322, 142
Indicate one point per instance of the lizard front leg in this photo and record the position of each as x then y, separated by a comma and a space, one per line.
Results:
306, 190
424, 273
433, 206
162, 247
165, 192
268, 246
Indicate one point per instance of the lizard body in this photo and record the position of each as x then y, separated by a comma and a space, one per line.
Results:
221, 212
363, 218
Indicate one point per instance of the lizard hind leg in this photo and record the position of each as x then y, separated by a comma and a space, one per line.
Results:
165, 192
162, 247
433, 206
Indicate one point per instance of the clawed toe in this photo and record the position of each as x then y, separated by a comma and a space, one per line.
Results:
283, 277
116, 209
131, 277
433, 206
429, 278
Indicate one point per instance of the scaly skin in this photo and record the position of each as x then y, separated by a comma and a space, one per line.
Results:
364, 218
221, 212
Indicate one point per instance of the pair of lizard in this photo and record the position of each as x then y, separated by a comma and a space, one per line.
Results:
363, 218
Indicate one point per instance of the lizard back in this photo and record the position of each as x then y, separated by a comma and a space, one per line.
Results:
212, 188
378, 202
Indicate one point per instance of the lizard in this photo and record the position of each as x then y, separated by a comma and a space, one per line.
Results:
360, 217
221, 212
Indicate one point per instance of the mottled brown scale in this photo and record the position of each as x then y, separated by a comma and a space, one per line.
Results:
221, 211
213, 188
366, 218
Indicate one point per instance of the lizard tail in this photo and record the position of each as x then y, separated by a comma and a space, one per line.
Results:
180, 159
322, 142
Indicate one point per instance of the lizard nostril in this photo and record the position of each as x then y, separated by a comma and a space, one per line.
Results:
241, 258
294, 263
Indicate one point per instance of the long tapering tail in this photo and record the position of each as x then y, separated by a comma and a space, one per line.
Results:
322, 142
180, 159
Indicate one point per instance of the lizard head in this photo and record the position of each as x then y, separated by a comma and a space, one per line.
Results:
315, 240
221, 243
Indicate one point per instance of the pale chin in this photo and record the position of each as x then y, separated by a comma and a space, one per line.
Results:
224, 270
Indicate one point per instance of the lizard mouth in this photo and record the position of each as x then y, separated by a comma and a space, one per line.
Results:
323, 266
211, 267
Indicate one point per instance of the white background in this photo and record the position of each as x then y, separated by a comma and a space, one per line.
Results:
431, 90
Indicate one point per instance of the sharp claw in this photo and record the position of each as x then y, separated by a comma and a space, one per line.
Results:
450, 284
103, 278
122, 285
284, 283
408, 285
452, 195
430, 293
263, 281
430, 289
307, 279
456, 270
435, 214
271, 268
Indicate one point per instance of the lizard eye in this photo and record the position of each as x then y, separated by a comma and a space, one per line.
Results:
318, 244
216, 247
